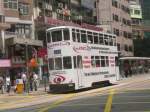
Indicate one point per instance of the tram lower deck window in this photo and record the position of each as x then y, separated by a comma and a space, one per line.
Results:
58, 63
51, 64
67, 63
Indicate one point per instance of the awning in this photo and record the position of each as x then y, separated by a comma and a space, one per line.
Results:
134, 58
16, 40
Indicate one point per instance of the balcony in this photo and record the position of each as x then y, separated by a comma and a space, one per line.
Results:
15, 35
4, 26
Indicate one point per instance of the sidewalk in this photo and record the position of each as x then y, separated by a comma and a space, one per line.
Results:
133, 78
38, 97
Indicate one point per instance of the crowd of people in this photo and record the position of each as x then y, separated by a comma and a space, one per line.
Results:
30, 82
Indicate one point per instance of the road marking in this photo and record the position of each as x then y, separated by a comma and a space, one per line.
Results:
58, 102
109, 101
18, 103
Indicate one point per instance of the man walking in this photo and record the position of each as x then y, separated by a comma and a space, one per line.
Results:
24, 78
2, 84
35, 81
8, 83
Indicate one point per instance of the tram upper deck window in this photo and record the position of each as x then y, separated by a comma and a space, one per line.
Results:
106, 39
101, 40
111, 41
83, 37
48, 37
114, 39
56, 35
66, 34
76, 35
90, 37
96, 38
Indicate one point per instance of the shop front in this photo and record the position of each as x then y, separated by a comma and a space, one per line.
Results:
5, 65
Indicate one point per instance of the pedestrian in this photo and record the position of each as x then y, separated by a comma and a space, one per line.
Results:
31, 81
2, 84
8, 84
126, 70
35, 81
24, 78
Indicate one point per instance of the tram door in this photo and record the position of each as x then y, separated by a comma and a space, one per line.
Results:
79, 69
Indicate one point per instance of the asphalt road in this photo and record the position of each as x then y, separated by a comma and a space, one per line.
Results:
130, 98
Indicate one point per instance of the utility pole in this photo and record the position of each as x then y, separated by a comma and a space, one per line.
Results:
27, 68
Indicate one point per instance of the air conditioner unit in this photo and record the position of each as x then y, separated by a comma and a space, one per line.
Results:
60, 5
49, 7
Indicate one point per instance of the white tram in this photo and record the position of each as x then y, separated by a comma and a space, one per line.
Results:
80, 58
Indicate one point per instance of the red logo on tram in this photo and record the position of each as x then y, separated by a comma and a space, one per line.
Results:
59, 79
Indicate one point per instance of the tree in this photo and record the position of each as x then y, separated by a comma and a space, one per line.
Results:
142, 47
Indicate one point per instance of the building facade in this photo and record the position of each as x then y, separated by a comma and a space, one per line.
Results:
136, 19
17, 33
49, 13
114, 17
145, 4
3, 26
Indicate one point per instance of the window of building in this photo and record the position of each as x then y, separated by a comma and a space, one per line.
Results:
115, 3
129, 35
60, 16
23, 28
126, 48
130, 48
137, 12
23, 9
118, 46
125, 34
117, 32
11, 4
131, 11
2, 19
115, 17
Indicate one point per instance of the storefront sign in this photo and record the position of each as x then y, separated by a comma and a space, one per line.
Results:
5, 63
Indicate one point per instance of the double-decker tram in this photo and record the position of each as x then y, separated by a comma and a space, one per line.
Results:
80, 58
